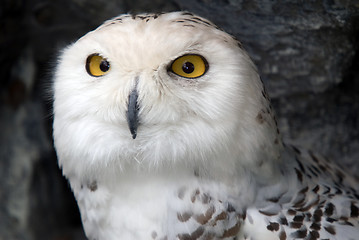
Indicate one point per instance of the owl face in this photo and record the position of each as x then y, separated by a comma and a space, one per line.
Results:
154, 90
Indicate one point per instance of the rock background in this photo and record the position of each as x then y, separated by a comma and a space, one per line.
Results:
306, 51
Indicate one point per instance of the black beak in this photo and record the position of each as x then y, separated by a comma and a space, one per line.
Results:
132, 112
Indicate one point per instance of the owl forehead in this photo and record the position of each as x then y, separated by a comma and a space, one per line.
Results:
154, 38
187, 19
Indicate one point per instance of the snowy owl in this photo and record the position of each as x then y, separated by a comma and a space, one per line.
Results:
164, 130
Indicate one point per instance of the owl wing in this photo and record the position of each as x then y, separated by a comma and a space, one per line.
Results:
323, 205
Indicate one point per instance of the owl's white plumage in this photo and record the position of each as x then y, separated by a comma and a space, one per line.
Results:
207, 161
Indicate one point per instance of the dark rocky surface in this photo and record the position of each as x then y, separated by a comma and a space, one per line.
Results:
306, 52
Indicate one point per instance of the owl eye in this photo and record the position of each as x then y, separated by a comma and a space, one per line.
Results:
96, 65
189, 66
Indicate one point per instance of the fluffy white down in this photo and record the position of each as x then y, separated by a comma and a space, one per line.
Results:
207, 124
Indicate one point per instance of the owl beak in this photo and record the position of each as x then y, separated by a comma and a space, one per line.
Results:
132, 112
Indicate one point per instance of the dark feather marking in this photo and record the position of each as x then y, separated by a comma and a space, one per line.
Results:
304, 190
203, 21
268, 213
314, 158
298, 218
316, 169
310, 205
283, 220
233, 231
301, 233
285, 199
273, 226
313, 235
299, 175
223, 215
194, 195
317, 215
185, 236
340, 175
92, 186
329, 208
331, 220
282, 235
204, 218
308, 216
187, 13
244, 216
260, 118
331, 195
323, 168
195, 235
321, 204
300, 201
194, 21
347, 223
300, 165
295, 224
291, 212
338, 187
312, 171
327, 190
117, 19
230, 208
354, 211
209, 236
263, 94
315, 226
330, 229
205, 198
183, 217
275, 199
316, 189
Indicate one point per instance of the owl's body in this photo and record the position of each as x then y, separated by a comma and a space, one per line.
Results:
165, 131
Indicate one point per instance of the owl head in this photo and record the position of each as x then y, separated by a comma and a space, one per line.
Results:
167, 90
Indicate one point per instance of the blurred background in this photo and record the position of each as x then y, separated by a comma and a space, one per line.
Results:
306, 52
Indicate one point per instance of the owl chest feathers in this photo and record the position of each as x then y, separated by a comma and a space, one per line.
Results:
174, 205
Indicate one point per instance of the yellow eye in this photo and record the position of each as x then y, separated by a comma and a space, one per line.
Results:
96, 65
189, 66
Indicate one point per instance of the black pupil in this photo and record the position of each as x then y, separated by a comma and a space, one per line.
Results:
188, 67
104, 66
